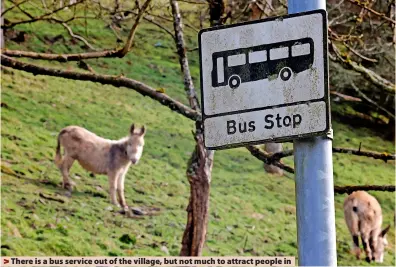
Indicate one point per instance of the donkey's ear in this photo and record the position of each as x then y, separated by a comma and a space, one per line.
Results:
132, 128
143, 131
383, 232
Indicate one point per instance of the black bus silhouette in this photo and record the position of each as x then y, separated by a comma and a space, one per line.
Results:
237, 66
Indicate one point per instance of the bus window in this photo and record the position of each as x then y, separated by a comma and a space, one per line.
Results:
300, 50
257, 56
236, 60
220, 69
277, 53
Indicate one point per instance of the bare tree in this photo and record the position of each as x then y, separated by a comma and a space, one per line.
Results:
199, 169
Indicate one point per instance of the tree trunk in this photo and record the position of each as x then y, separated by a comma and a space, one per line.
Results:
199, 169
2, 23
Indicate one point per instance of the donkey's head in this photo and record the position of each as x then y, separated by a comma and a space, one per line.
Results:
378, 253
135, 143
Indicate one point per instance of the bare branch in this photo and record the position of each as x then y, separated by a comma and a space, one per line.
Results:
346, 97
335, 6
359, 4
170, 20
34, 19
192, 49
62, 57
360, 55
350, 188
81, 56
12, 7
147, 18
85, 66
119, 39
357, 152
69, 30
188, 83
368, 74
268, 159
196, 2
375, 155
51, 198
22, 10
371, 101
139, 87
128, 44
337, 189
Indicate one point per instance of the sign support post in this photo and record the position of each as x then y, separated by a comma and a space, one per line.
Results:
267, 81
314, 186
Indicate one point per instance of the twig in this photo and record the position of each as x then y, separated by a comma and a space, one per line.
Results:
139, 87
44, 4
368, 74
181, 51
170, 20
194, 2
371, 101
346, 97
119, 39
360, 55
375, 155
51, 198
34, 19
128, 44
78, 36
192, 49
147, 18
266, 158
372, 11
85, 66
23, 11
337, 189
77, 57
12, 7
270, 158
336, 6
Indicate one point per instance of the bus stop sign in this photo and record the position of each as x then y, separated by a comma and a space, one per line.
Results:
265, 80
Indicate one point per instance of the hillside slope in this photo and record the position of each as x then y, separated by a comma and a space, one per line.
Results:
251, 212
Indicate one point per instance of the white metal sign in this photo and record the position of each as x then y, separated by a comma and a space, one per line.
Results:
265, 80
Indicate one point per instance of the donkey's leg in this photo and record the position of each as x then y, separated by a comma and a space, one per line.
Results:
355, 245
113, 178
373, 241
120, 189
65, 166
365, 240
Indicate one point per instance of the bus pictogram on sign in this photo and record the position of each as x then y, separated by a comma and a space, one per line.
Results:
282, 59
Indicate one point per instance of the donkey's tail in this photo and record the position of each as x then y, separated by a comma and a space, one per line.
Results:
351, 211
58, 156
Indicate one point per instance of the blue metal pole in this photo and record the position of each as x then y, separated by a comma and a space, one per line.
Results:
314, 186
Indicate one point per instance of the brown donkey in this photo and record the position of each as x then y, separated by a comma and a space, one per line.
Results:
100, 156
363, 216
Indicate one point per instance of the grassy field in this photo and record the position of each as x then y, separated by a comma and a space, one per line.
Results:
251, 212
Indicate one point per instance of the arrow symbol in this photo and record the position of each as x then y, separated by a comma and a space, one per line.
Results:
6, 261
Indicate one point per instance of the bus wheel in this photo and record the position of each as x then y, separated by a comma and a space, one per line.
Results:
234, 81
285, 73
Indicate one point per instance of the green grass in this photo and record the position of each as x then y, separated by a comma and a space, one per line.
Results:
251, 212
